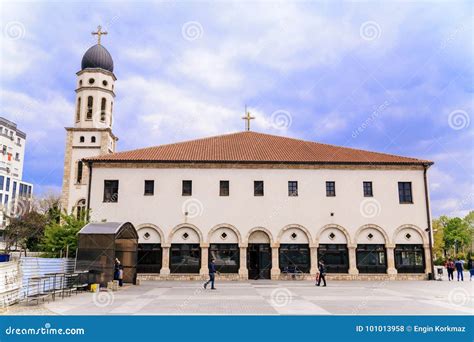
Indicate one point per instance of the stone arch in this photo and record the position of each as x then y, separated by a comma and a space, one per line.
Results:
299, 227
410, 227
226, 226
259, 229
337, 227
189, 226
379, 229
149, 228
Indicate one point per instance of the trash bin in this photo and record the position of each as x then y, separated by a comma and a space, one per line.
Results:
4, 257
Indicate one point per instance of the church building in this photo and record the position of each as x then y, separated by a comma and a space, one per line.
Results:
262, 206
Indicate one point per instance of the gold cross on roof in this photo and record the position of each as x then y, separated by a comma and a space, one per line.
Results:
247, 119
99, 33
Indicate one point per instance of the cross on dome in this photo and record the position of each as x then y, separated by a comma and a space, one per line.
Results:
99, 33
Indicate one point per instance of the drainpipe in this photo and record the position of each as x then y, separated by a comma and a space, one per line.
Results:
89, 164
428, 218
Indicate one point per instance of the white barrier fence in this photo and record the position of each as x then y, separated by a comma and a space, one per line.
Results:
17, 274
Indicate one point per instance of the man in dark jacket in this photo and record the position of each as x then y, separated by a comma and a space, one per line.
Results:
212, 273
322, 273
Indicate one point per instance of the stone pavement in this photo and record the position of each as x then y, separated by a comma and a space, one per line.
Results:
269, 298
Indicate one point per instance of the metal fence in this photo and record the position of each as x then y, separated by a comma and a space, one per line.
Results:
38, 267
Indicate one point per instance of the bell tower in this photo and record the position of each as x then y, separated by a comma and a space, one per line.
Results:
93, 120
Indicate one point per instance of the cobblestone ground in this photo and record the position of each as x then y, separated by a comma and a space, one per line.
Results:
268, 297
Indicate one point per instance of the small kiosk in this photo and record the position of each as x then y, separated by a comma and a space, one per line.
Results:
98, 246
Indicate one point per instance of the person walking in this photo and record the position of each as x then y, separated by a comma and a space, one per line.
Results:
322, 273
450, 268
212, 274
460, 268
118, 271
470, 266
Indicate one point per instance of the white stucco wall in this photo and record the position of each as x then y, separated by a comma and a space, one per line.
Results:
275, 210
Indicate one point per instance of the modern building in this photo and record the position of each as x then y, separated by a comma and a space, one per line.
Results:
262, 206
15, 194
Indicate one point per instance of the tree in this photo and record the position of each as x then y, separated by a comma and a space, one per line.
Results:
457, 234
439, 251
60, 237
25, 232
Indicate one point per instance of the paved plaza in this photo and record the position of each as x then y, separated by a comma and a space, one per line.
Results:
269, 298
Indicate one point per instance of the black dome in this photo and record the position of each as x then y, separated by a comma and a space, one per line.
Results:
98, 57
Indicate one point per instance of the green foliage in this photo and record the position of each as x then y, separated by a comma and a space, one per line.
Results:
61, 236
453, 236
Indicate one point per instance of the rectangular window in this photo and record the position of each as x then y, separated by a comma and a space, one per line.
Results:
409, 259
187, 188
14, 190
371, 258
294, 258
185, 258
90, 104
330, 189
404, 192
7, 188
149, 187
111, 190
224, 188
2, 180
292, 188
258, 188
368, 189
226, 257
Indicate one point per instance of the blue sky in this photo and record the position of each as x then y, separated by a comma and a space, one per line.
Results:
393, 77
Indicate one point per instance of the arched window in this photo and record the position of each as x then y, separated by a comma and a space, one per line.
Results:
81, 139
92, 139
111, 117
90, 104
78, 110
102, 109
80, 209
79, 172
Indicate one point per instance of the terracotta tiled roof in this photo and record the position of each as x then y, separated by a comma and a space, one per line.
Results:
250, 147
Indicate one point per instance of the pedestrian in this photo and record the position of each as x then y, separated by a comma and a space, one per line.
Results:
322, 273
470, 265
450, 268
459, 268
212, 273
118, 271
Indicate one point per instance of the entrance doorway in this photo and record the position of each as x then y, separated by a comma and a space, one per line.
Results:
259, 260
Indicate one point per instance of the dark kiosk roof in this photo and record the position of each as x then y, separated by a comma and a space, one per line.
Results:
252, 147
97, 57
104, 228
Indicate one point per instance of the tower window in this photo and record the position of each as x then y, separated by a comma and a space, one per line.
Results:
78, 110
81, 209
80, 83
91, 81
79, 172
92, 139
81, 139
102, 109
90, 104
104, 82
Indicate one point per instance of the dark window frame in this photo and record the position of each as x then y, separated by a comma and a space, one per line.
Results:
226, 256
405, 193
293, 188
258, 188
294, 257
187, 188
330, 189
149, 187
335, 257
224, 188
368, 189
109, 186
